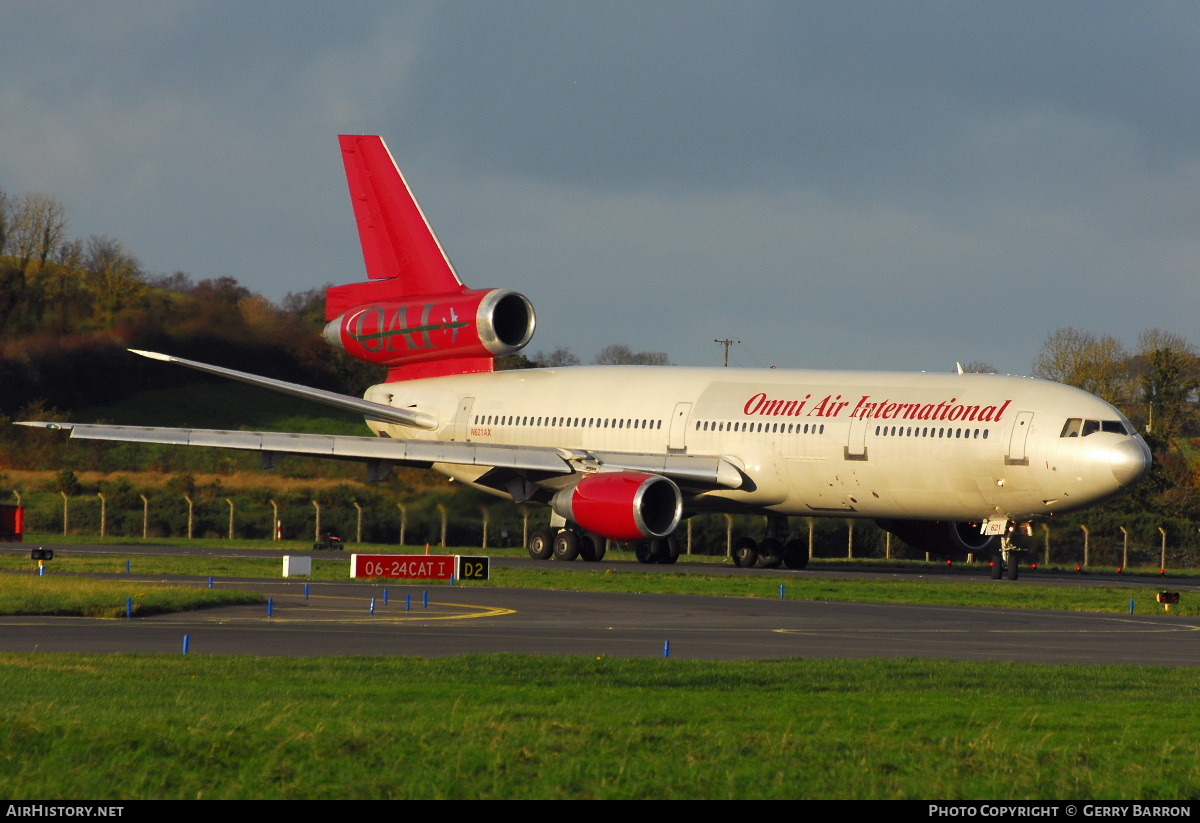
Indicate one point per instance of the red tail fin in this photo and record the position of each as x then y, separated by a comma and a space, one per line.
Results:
414, 315
399, 248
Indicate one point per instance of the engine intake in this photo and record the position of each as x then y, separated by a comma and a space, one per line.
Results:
622, 505
429, 328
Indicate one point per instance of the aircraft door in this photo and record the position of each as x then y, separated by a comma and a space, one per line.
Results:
677, 436
462, 421
1016, 440
856, 444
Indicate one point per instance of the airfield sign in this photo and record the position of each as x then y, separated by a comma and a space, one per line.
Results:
419, 566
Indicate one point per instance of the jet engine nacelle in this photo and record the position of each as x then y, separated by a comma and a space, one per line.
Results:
941, 537
482, 323
622, 505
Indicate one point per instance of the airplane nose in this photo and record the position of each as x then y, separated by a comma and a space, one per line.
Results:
1130, 461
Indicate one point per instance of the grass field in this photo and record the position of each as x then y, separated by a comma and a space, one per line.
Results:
517, 727
83, 597
117, 727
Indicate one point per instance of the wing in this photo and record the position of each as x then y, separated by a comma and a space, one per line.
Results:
372, 411
505, 463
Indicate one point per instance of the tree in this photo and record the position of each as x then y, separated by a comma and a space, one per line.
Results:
1095, 364
1170, 376
38, 225
978, 367
618, 354
5, 219
559, 357
114, 278
60, 286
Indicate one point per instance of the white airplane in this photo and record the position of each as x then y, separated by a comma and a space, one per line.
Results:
950, 463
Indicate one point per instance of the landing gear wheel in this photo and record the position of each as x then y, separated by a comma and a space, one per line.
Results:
997, 568
745, 553
541, 544
770, 553
566, 545
591, 547
665, 550
1012, 568
795, 554
644, 552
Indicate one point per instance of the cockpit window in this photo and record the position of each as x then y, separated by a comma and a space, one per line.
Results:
1078, 427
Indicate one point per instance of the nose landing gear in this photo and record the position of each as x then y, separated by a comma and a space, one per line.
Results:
1005, 563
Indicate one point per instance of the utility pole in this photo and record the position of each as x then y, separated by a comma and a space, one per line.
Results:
727, 343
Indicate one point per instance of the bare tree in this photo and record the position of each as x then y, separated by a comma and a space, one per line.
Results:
618, 354
978, 367
559, 357
38, 226
1095, 364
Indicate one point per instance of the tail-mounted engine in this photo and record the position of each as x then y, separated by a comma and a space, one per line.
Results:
429, 335
940, 537
622, 505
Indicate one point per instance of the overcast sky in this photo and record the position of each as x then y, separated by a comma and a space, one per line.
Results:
893, 185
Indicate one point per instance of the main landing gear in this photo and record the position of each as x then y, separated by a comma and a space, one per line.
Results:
665, 550
1005, 563
569, 542
566, 543
772, 552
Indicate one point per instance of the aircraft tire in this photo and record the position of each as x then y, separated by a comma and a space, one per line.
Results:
1013, 569
592, 547
795, 555
997, 570
644, 552
666, 550
566, 545
770, 553
745, 553
541, 544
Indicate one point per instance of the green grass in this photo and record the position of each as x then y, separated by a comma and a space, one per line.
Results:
526, 727
551, 727
941, 591
84, 597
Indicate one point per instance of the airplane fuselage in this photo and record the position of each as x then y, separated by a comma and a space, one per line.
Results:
840, 443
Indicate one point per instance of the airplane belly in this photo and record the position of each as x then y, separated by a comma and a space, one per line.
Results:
916, 488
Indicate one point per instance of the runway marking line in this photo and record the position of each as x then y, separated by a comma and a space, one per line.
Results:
383, 614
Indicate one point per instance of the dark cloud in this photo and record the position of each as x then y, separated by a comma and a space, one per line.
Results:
871, 184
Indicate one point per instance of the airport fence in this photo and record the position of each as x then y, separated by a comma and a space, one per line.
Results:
1102, 540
